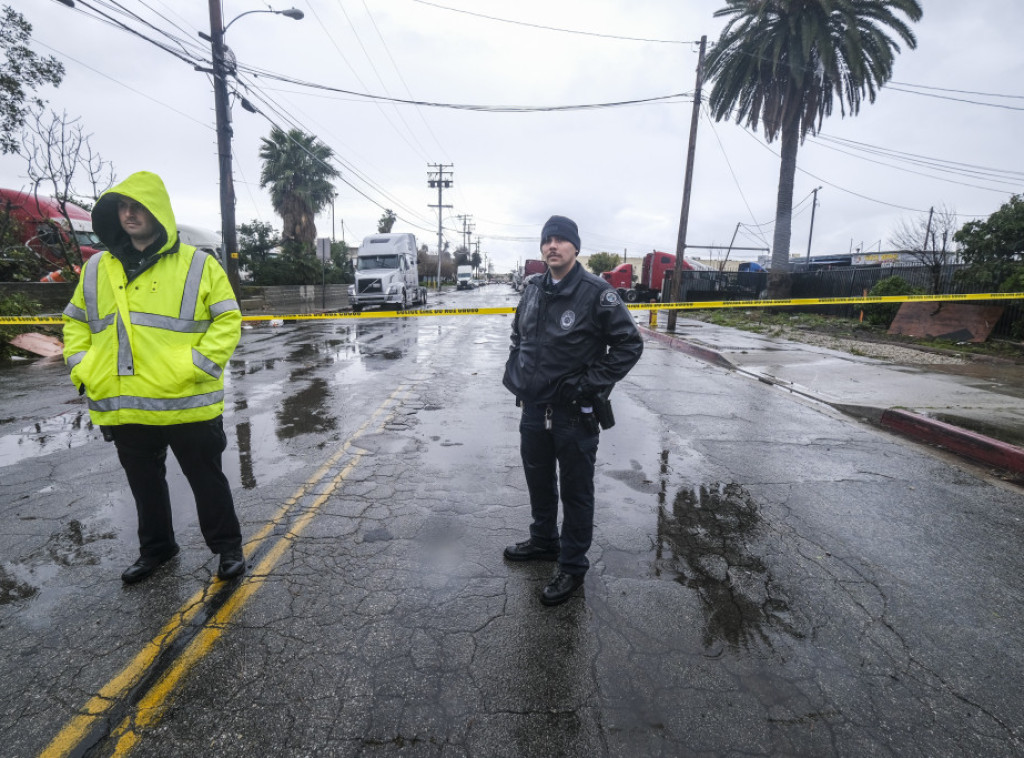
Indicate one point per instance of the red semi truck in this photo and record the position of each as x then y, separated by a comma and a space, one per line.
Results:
531, 267
44, 229
652, 277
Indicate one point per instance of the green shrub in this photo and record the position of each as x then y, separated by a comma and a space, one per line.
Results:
882, 314
1015, 283
14, 305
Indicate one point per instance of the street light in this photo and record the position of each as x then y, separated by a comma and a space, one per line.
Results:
222, 105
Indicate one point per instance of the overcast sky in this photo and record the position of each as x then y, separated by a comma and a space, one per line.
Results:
945, 132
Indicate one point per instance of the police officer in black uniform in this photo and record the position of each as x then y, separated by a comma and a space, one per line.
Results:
572, 340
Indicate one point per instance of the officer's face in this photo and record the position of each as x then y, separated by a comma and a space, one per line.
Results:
560, 255
138, 222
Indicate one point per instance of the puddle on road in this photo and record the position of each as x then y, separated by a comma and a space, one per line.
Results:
305, 411
74, 544
703, 541
63, 432
675, 522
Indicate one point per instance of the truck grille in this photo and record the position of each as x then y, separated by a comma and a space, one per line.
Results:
368, 285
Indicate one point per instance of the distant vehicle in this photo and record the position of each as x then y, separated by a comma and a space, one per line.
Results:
202, 239
531, 268
386, 273
652, 277
534, 266
44, 230
464, 278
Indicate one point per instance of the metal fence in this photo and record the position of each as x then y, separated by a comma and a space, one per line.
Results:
852, 281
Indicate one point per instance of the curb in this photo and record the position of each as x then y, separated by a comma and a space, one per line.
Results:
971, 445
703, 353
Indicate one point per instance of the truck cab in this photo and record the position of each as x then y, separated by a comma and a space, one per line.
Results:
386, 273
45, 230
202, 239
652, 277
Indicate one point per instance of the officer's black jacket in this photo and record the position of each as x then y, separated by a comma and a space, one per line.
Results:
577, 329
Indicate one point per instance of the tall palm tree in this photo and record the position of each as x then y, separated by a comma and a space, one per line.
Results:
785, 62
298, 171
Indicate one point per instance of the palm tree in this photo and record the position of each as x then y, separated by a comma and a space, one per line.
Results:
298, 170
785, 62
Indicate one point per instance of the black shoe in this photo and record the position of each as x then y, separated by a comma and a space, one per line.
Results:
146, 566
527, 551
232, 564
561, 588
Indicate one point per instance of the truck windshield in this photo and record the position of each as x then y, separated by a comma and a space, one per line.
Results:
367, 262
90, 239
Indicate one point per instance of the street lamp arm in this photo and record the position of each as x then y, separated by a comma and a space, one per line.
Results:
294, 13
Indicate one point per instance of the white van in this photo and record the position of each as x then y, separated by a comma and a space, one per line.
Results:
386, 273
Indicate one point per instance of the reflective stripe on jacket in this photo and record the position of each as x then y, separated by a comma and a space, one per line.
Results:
152, 350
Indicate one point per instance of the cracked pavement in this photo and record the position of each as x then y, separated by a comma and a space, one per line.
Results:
768, 576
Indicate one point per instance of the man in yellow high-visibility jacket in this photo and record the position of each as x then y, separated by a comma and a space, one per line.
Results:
148, 332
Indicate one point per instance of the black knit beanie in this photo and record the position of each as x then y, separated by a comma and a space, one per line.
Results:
560, 226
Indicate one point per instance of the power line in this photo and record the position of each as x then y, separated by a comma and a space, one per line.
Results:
555, 28
461, 106
956, 99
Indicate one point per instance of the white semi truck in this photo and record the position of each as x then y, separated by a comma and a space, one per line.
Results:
386, 274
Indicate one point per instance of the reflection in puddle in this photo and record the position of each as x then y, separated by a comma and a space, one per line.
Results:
63, 432
305, 411
74, 544
704, 542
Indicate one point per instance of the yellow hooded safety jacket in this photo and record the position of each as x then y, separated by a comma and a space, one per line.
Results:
151, 350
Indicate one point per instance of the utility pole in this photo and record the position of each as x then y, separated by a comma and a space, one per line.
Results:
684, 214
928, 229
467, 230
222, 112
814, 204
441, 179
728, 252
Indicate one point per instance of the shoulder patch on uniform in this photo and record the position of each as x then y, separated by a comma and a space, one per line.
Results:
610, 299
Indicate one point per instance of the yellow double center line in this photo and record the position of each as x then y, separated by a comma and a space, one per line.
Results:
150, 708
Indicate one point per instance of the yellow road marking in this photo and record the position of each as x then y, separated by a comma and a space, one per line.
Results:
79, 727
152, 707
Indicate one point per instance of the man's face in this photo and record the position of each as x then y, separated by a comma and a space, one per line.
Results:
560, 255
140, 225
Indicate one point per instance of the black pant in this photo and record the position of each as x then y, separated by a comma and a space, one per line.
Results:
142, 450
557, 461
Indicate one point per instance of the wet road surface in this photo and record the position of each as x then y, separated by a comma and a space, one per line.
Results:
768, 577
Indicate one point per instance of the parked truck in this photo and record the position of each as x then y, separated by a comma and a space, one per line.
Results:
531, 268
43, 228
386, 273
202, 239
464, 278
652, 277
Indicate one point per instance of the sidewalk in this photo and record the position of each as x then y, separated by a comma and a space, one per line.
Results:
976, 411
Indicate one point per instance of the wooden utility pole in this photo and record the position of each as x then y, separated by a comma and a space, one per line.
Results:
684, 214
442, 180
928, 229
810, 234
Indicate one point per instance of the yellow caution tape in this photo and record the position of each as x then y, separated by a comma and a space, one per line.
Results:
866, 299
697, 306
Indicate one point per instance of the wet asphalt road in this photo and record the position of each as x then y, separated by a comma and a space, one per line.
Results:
769, 578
